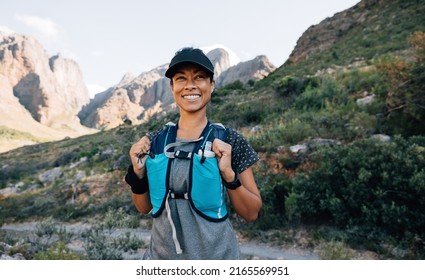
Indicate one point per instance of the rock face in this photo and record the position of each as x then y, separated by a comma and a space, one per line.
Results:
220, 59
322, 36
133, 99
136, 99
51, 89
39, 95
73, 91
255, 69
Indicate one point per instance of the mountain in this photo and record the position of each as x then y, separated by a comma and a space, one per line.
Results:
136, 99
40, 95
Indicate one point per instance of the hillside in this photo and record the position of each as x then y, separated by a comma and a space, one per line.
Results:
362, 33
339, 130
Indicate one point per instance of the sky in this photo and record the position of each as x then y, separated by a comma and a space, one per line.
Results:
111, 38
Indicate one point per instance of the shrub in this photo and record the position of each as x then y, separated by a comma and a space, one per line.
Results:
58, 251
334, 250
315, 98
290, 85
101, 242
367, 186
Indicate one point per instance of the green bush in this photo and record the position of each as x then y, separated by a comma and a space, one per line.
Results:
315, 98
367, 186
290, 85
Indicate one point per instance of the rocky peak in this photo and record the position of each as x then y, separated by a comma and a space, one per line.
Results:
40, 94
127, 78
255, 69
49, 88
220, 59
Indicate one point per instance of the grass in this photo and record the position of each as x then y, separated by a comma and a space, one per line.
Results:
9, 133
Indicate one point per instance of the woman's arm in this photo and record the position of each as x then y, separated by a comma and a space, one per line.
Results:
142, 202
136, 175
246, 199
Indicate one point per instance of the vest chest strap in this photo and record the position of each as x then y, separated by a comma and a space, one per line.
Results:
182, 154
179, 195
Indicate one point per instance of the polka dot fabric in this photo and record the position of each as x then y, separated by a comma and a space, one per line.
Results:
243, 155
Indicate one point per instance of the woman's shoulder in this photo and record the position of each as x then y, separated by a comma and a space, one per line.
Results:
153, 134
234, 137
243, 154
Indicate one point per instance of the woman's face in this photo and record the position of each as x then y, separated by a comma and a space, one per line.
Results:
192, 87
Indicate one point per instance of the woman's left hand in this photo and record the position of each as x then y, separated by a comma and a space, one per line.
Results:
223, 151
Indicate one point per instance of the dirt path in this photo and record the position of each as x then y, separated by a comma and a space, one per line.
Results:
249, 249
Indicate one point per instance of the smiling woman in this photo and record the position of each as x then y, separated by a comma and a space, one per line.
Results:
183, 174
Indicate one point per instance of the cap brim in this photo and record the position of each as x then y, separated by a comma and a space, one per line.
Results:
171, 71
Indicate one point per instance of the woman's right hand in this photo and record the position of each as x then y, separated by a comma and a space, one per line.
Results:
138, 154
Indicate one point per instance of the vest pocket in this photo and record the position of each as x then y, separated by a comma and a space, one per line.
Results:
157, 176
207, 192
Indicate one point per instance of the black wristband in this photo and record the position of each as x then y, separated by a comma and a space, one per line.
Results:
234, 184
138, 186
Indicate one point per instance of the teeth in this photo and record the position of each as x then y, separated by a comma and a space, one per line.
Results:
191, 97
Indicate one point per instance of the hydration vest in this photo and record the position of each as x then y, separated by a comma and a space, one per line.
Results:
205, 192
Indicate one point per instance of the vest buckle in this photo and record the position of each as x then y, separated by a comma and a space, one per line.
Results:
182, 154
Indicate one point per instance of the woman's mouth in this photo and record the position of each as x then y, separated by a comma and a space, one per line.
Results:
191, 96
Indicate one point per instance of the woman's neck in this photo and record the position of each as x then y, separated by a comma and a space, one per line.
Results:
191, 127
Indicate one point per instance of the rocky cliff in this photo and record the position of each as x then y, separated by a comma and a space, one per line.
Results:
321, 37
133, 99
255, 69
49, 88
40, 95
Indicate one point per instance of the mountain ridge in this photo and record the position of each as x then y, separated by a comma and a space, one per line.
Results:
49, 93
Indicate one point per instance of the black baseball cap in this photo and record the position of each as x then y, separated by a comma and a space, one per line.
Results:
192, 55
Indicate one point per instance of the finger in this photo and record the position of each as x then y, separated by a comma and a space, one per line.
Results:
222, 149
143, 146
217, 151
141, 160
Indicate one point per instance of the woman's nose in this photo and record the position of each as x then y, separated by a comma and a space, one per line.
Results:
190, 83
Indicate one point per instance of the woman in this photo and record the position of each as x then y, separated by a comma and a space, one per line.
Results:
182, 173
